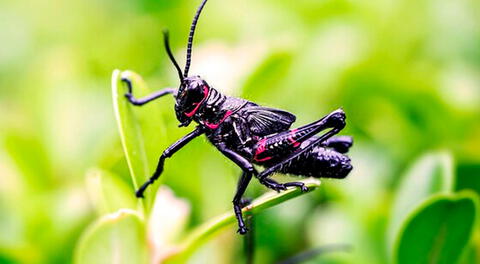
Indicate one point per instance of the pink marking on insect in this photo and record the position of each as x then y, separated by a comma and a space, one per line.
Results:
264, 159
260, 149
214, 126
205, 94
261, 146
292, 140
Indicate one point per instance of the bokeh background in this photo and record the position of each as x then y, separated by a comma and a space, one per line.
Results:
407, 73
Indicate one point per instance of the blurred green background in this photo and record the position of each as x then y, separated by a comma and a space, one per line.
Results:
407, 73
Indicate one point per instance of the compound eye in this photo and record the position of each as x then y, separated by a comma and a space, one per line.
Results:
196, 93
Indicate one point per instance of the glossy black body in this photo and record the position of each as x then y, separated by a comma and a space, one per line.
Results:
247, 128
249, 134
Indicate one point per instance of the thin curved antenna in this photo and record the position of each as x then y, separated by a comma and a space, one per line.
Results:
170, 54
190, 38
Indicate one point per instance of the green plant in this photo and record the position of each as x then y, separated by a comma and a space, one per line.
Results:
125, 228
430, 223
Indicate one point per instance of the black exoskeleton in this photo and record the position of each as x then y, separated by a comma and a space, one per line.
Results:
249, 134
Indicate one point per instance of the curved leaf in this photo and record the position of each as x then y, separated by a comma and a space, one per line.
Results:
136, 127
431, 174
206, 231
130, 134
438, 231
116, 238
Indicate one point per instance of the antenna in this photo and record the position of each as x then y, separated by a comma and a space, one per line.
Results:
170, 54
190, 38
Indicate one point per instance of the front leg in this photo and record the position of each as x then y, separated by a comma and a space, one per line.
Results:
167, 154
248, 171
146, 99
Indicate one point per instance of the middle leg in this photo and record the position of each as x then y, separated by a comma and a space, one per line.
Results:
247, 171
237, 200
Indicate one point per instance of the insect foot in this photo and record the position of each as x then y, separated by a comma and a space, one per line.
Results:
141, 190
242, 230
128, 94
139, 194
300, 185
271, 184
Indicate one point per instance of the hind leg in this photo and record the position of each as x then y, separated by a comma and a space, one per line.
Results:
302, 140
319, 163
238, 203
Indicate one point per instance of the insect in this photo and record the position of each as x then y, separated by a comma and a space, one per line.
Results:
248, 134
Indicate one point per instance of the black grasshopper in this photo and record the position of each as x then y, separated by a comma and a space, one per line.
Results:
249, 134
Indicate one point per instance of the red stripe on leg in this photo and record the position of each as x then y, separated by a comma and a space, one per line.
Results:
261, 147
263, 159
293, 133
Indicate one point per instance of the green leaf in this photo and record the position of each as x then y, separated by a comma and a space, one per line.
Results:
467, 179
137, 126
108, 193
130, 131
115, 238
206, 231
431, 174
438, 230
